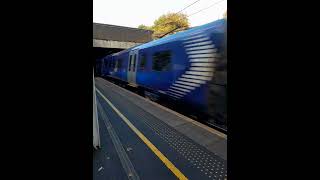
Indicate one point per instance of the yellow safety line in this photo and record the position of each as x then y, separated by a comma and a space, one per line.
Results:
155, 150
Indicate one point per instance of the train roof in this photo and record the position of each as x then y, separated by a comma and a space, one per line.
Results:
216, 24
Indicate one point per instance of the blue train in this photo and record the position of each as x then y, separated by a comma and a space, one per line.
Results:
188, 68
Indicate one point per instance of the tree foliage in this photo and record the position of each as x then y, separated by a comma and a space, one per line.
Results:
167, 24
171, 22
142, 26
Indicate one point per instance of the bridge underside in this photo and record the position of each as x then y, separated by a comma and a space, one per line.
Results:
109, 39
99, 52
113, 44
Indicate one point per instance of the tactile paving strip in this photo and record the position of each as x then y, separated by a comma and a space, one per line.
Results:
205, 161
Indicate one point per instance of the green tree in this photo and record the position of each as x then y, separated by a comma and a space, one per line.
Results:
142, 26
167, 24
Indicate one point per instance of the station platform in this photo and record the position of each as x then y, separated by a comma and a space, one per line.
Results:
141, 139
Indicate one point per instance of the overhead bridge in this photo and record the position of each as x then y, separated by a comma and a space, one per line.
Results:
111, 36
109, 39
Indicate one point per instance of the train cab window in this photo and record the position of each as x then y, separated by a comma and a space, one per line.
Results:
106, 63
161, 61
130, 62
110, 64
119, 64
143, 61
114, 64
134, 62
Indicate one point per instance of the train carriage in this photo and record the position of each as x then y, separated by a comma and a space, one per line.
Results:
188, 67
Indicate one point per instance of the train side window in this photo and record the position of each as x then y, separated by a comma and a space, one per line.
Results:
161, 61
143, 61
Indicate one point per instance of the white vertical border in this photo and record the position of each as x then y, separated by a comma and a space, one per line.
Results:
96, 134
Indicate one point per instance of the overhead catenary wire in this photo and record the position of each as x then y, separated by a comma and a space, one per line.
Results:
191, 15
184, 9
205, 8
178, 13
188, 6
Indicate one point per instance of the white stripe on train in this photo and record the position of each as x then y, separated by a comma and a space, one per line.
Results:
201, 53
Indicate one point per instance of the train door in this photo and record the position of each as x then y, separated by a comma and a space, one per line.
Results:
132, 66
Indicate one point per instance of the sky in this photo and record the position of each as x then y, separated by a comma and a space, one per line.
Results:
132, 13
